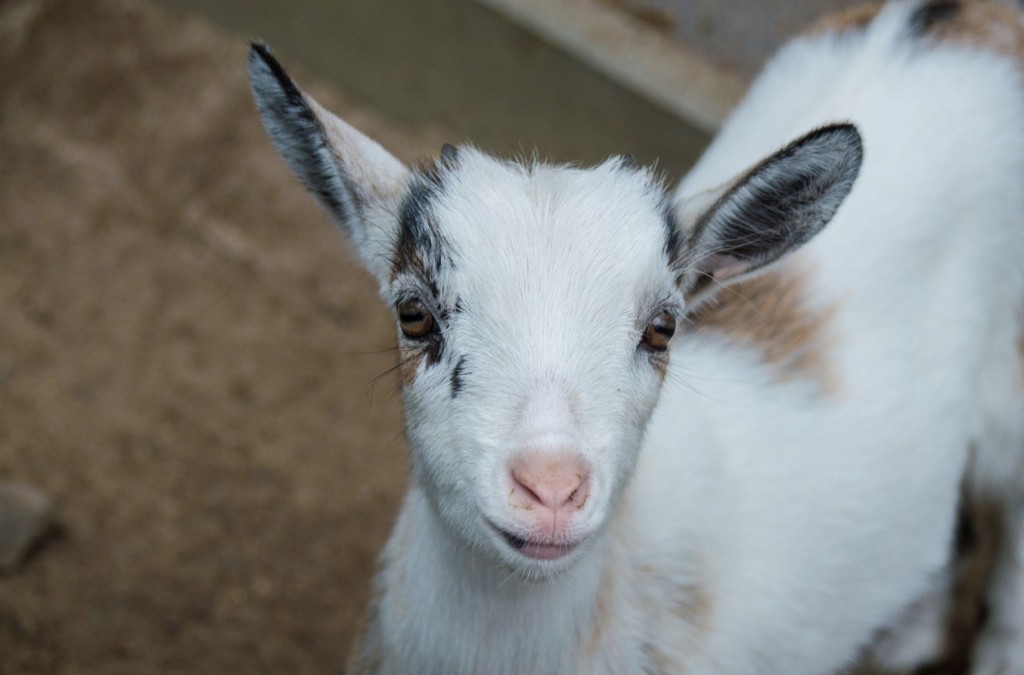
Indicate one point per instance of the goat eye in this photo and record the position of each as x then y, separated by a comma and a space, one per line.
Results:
659, 332
415, 319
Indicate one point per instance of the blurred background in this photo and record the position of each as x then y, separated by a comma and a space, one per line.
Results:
201, 446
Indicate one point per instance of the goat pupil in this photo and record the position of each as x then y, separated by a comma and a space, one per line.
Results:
414, 317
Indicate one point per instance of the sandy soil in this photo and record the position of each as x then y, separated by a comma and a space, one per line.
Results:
188, 355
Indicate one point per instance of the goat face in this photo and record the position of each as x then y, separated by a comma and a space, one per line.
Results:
535, 305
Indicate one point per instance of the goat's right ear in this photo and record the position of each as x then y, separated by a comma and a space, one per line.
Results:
770, 210
355, 179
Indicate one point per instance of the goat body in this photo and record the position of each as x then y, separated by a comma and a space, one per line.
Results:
777, 491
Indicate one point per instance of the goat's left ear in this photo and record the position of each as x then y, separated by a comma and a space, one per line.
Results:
358, 182
767, 212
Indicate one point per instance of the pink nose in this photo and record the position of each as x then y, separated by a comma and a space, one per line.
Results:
554, 482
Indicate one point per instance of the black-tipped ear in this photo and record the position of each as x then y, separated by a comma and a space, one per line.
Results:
355, 179
298, 134
774, 208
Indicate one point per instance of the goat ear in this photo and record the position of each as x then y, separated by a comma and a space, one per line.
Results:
357, 181
772, 209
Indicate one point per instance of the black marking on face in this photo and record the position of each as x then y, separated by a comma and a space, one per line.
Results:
415, 226
434, 349
931, 14
422, 252
420, 248
457, 376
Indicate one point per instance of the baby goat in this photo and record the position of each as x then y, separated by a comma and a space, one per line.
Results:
731, 430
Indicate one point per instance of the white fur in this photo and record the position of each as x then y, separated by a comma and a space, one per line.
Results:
738, 522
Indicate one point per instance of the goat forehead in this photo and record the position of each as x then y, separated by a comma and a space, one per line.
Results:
549, 235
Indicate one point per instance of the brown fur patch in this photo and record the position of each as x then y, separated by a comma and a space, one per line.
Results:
770, 314
694, 606
985, 24
849, 20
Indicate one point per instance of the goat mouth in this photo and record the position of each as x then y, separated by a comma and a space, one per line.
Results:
537, 550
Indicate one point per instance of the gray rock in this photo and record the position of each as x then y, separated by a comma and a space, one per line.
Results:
27, 516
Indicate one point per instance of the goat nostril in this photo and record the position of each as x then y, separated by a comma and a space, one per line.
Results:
531, 494
580, 500
580, 495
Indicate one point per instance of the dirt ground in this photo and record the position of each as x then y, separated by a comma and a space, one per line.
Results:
188, 359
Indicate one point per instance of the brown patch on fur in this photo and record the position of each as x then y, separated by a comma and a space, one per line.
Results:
770, 314
692, 604
849, 20
985, 24
977, 544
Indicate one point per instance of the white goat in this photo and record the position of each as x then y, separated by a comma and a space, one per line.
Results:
782, 495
